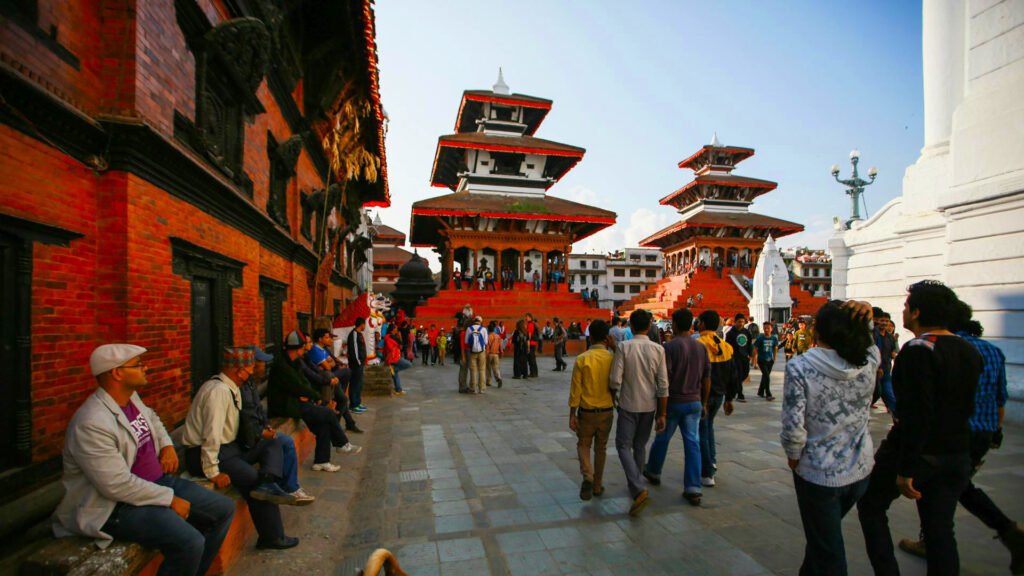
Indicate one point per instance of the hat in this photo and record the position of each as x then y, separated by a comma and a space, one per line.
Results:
259, 355
109, 356
294, 340
477, 319
316, 355
237, 357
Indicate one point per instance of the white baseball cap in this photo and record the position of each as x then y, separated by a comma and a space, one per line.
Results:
109, 356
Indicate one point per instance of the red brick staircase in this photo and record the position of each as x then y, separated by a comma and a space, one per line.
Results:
806, 305
670, 294
508, 305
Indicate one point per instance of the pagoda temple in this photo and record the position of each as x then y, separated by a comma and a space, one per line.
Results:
498, 213
713, 248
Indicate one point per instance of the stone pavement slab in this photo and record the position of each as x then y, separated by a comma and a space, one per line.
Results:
488, 484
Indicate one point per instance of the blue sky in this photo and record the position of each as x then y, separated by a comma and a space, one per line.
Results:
641, 85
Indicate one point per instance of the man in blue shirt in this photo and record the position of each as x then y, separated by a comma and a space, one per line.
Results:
986, 432
765, 347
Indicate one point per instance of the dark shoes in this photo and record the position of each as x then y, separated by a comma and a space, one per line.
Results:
598, 490
654, 480
271, 492
693, 498
1013, 539
282, 543
639, 503
915, 547
499, 383
587, 490
354, 429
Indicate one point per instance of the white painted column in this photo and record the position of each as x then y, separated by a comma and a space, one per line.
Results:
943, 51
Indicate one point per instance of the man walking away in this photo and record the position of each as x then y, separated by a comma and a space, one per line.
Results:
926, 455
986, 432
640, 380
476, 344
689, 384
494, 351
723, 389
591, 408
119, 474
766, 345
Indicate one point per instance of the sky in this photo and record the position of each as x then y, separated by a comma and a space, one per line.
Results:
642, 85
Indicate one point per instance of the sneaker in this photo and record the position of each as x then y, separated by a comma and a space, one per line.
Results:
654, 480
741, 399
708, 481
714, 466
587, 490
1013, 539
915, 547
639, 503
400, 393
359, 409
349, 449
303, 499
326, 467
271, 492
693, 498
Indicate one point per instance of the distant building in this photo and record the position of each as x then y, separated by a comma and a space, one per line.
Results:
632, 270
388, 255
590, 271
812, 271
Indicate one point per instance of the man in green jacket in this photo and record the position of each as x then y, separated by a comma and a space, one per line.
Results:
290, 395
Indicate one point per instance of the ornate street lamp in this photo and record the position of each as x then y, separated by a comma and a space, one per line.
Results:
855, 185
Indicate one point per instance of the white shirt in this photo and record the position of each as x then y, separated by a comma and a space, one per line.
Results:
213, 420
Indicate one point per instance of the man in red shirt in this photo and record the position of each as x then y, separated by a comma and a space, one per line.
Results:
432, 338
533, 334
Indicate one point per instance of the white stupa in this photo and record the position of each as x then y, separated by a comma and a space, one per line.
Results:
770, 298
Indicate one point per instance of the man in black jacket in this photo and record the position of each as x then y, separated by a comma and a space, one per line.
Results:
356, 350
743, 348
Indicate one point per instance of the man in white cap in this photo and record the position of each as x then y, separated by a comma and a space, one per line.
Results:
222, 448
119, 481
476, 345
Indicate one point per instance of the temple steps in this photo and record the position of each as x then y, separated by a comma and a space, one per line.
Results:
507, 305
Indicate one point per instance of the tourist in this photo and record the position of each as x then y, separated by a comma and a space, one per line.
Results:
753, 329
826, 396
986, 433
724, 385
476, 344
591, 409
548, 332
766, 346
886, 343
356, 351
120, 482
457, 278
926, 454
534, 340
639, 380
627, 330
423, 343
467, 312
743, 350
460, 340
442, 346
700, 297
393, 359
616, 331
290, 395
324, 339
802, 338
689, 384
214, 450
520, 351
558, 338
254, 422
493, 354
489, 280
585, 295
536, 281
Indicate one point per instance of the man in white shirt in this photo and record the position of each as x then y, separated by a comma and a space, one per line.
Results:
476, 346
639, 380
214, 450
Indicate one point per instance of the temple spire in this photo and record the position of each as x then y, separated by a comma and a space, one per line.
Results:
500, 87
714, 140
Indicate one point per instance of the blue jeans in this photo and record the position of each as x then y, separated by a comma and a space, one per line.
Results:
686, 417
289, 481
707, 436
189, 547
888, 396
402, 364
822, 509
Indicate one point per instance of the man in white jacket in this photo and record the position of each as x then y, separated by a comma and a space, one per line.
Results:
119, 465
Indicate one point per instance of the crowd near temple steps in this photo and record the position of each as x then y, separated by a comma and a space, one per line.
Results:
224, 354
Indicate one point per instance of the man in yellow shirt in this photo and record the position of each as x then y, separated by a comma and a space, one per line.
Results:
591, 407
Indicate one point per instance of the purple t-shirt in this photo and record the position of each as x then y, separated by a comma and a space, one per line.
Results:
687, 362
147, 464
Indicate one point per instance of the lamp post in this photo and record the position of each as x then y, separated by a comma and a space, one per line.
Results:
855, 185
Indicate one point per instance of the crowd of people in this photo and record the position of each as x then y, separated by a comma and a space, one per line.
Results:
484, 278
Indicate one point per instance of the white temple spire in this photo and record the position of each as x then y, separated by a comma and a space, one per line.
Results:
714, 140
500, 87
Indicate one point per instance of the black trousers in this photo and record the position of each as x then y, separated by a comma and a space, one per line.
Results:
742, 371
822, 509
342, 406
766, 378
940, 481
531, 361
520, 367
323, 423
238, 465
559, 362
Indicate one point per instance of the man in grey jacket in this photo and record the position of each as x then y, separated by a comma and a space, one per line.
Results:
119, 481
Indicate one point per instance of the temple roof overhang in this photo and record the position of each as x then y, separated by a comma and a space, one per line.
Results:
449, 160
722, 224
429, 216
390, 255
698, 189
471, 109
738, 154
384, 233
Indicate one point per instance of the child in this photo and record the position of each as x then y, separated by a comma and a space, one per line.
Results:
442, 346
790, 346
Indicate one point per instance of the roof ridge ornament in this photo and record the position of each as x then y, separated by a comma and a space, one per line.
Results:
714, 140
500, 87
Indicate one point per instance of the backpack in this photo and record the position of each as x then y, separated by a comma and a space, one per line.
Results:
477, 339
724, 379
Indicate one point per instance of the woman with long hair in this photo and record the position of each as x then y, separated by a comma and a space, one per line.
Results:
520, 351
825, 412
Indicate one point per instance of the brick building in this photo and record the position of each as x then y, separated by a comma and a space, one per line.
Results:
177, 174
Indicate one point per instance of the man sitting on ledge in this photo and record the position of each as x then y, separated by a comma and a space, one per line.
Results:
119, 481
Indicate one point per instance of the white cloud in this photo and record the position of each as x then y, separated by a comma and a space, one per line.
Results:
815, 235
626, 234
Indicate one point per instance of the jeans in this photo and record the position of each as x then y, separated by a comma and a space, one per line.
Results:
888, 396
189, 547
290, 469
355, 386
324, 425
397, 367
707, 436
941, 480
766, 378
686, 417
631, 435
822, 509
